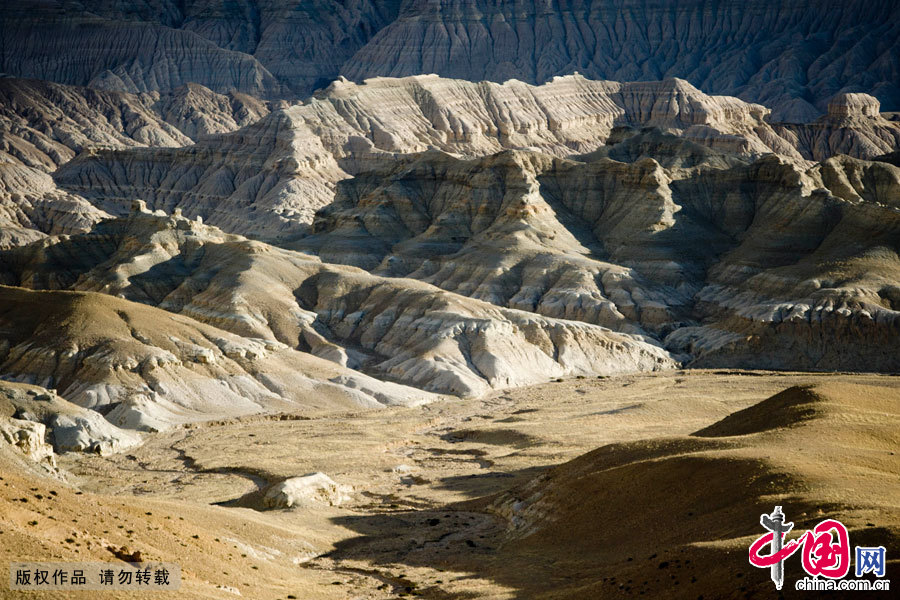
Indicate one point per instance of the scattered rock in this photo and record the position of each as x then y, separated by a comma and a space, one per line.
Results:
312, 489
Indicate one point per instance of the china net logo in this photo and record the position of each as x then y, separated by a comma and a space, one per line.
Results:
825, 556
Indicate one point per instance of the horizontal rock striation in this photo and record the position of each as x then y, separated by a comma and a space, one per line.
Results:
853, 126
147, 369
198, 111
134, 52
400, 329
43, 125
268, 179
761, 262
31, 206
791, 56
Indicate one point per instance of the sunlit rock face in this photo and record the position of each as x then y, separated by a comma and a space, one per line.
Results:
761, 262
329, 321
268, 179
219, 209
44, 125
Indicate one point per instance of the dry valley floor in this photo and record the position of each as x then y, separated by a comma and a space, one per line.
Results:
583, 488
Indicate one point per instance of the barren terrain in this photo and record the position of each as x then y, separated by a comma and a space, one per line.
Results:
448, 299
431, 514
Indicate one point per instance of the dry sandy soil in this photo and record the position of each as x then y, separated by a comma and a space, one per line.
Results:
584, 488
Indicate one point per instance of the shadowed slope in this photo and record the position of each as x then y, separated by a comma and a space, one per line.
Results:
673, 516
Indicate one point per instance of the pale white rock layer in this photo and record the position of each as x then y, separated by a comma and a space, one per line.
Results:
147, 369
32, 206
767, 262
68, 427
268, 179
43, 125
402, 330
28, 438
307, 490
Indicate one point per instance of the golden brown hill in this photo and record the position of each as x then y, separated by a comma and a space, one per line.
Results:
147, 369
685, 509
674, 516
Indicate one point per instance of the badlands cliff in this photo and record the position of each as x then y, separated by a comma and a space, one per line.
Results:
269, 178
384, 242
265, 176
43, 125
333, 298
760, 264
397, 329
853, 126
146, 369
792, 56
652, 209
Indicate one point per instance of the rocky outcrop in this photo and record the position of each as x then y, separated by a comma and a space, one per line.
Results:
121, 50
44, 125
308, 490
198, 111
146, 369
69, 427
401, 330
19, 428
722, 48
616, 244
31, 206
28, 438
853, 106
268, 179
853, 126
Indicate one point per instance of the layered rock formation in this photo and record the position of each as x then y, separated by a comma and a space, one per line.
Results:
31, 206
765, 263
198, 111
68, 427
146, 369
129, 51
790, 56
398, 329
43, 125
268, 179
853, 126
593, 217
